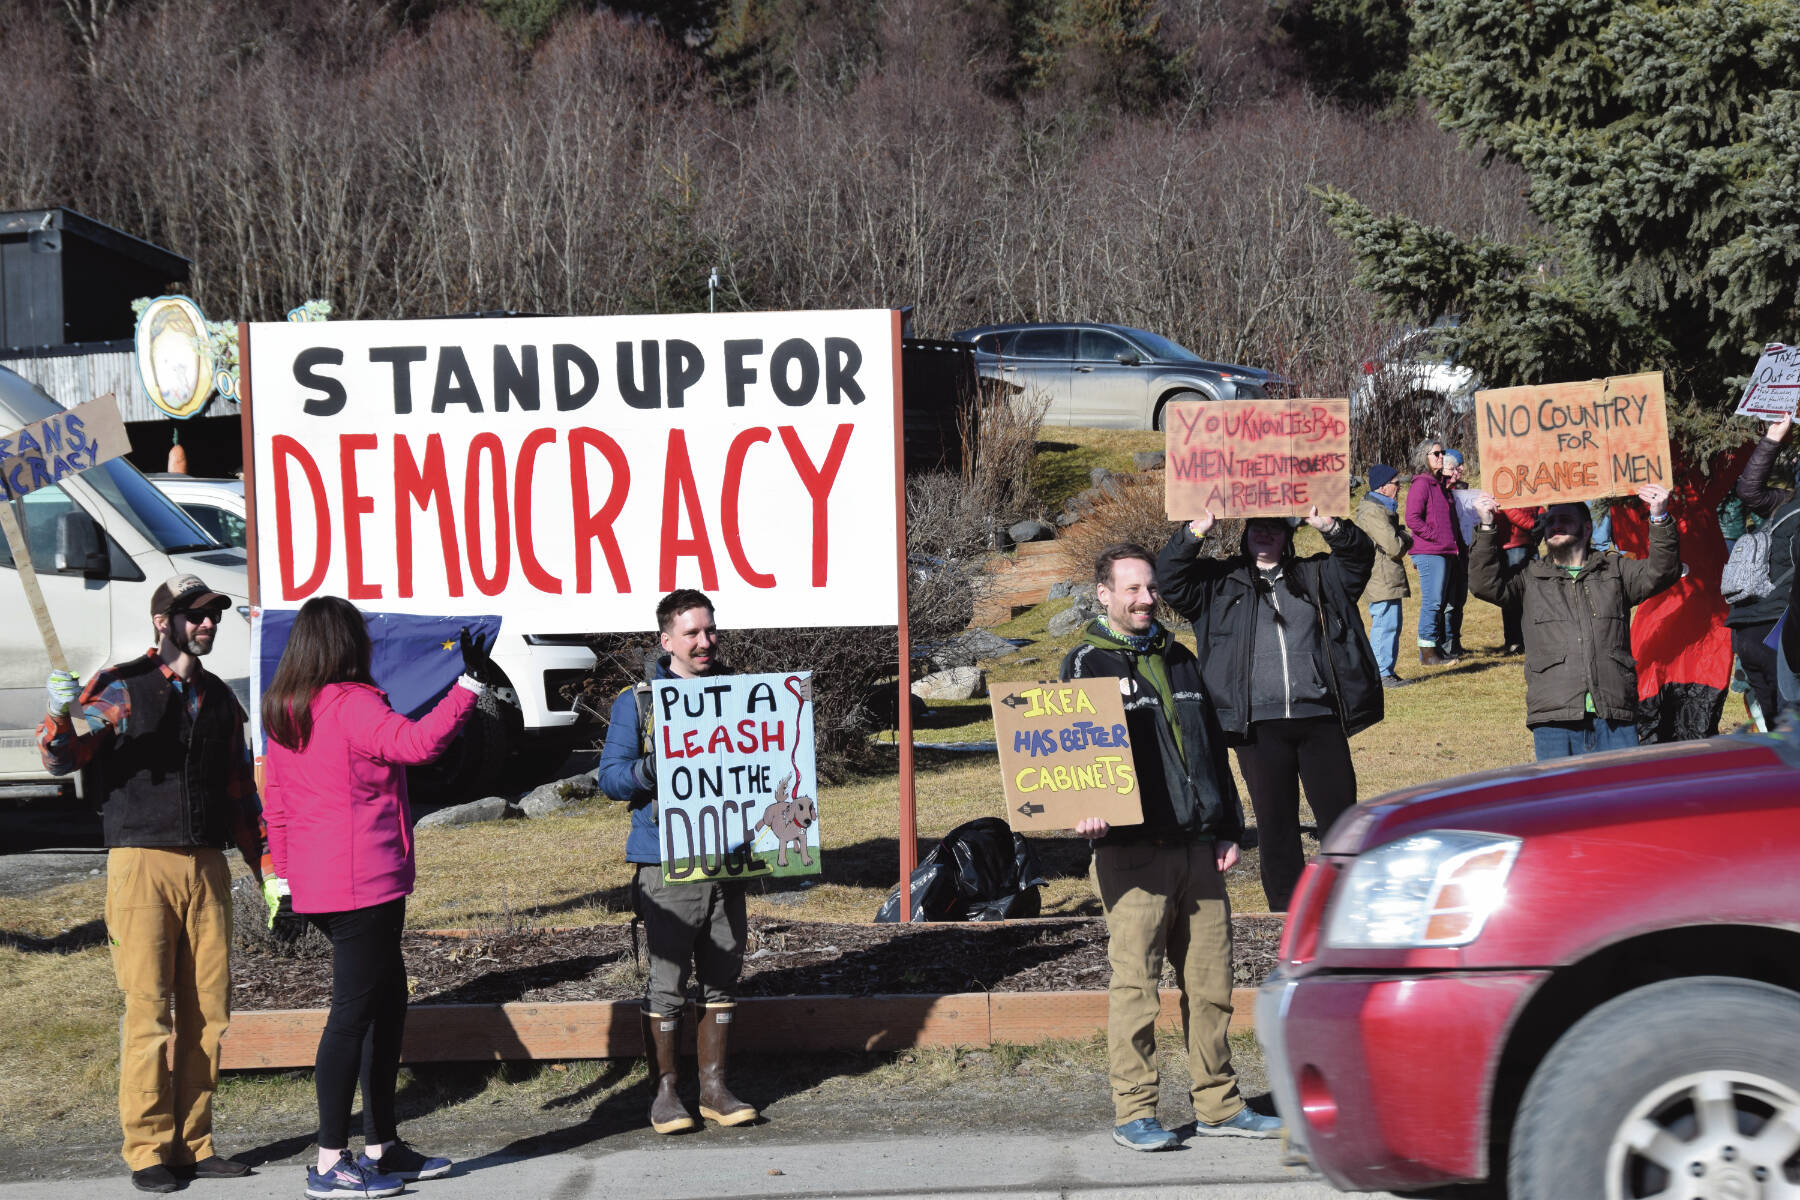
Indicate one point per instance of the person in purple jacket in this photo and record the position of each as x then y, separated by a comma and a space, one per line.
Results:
340, 837
1435, 551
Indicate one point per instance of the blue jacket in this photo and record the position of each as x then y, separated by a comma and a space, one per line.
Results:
617, 772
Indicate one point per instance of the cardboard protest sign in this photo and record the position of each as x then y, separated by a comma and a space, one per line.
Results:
1064, 754
1256, 458
735, 787
565, 473
56, 447
1774, 385
1547, 443
37, 456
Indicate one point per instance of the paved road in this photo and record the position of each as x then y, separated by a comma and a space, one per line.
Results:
1018, 1166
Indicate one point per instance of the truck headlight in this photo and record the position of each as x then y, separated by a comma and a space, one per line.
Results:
1431, 889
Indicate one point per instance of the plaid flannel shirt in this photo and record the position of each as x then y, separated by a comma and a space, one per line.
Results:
105, 708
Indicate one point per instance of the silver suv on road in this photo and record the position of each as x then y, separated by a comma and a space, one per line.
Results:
1107, 375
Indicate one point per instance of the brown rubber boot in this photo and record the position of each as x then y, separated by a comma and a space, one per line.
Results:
1429, 656
716, 1101
662, 1051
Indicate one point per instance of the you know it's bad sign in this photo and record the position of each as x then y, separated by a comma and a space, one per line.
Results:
1256, 458
1546, 443
565, 473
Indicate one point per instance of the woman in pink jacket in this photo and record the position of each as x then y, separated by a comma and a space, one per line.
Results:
340, 835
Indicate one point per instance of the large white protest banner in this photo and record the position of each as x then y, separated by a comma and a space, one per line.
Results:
566, 472
1774, 385
736, 793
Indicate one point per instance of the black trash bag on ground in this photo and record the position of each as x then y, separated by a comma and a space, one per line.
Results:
981, 871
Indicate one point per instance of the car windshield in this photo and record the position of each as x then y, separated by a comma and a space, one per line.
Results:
1163, 348
151, 513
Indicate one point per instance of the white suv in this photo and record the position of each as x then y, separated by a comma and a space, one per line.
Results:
1415, 388
217, 504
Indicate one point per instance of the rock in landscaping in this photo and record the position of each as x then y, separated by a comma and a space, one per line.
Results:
970, 646
1061, 590
1069, 620
1030, 531
558, 796
1149, 460
1086, 596
958, 683
492, 808
1099, 475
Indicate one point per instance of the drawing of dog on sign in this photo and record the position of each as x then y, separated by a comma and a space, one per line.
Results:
788, 820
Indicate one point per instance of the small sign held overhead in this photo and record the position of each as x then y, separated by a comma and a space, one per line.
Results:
1774, 386
1064, 754
1554, 442
1257, 458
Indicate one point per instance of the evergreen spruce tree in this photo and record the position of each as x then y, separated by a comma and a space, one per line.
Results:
1662, 146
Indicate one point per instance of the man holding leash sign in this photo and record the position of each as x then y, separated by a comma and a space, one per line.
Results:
699, 923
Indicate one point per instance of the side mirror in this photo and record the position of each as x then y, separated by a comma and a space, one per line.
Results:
1128, 358
81, 546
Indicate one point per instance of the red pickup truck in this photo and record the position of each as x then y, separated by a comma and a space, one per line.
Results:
1581, 979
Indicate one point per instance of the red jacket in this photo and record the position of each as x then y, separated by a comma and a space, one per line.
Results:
340, 827
1519, 524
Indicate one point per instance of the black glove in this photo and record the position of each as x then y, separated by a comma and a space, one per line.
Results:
476, 663
644, 771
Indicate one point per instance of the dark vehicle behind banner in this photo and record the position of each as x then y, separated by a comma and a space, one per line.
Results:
1109, 376
1581, 978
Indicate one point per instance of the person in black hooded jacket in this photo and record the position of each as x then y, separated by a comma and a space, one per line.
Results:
1288, 666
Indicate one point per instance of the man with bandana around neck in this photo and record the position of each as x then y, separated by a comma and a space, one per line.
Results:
1162, 883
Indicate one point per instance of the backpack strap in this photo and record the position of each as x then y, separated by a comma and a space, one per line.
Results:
642, 693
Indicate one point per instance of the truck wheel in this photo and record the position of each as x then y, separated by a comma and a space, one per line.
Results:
475, 763
1686, 1088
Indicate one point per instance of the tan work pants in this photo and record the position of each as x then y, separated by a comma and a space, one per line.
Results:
168, 918
1167, 901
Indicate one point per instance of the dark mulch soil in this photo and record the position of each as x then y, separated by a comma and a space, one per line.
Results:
783, 958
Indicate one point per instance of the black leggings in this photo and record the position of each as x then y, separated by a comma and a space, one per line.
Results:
368, 1016
1279, 757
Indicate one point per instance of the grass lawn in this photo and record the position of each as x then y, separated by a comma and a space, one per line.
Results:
1066, 456
59, 1010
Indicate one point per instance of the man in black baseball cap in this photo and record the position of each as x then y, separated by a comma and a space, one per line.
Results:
165, 738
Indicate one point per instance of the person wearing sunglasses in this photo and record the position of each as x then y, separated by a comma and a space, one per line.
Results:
166, 740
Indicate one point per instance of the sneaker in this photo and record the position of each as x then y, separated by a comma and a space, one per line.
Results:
1393, 681
349, 1178
403, 1162
1145, 1133
154, 1178
1246, 1123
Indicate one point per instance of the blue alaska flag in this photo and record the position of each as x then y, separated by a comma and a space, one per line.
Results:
415, 659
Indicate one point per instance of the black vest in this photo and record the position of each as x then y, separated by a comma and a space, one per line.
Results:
164, 783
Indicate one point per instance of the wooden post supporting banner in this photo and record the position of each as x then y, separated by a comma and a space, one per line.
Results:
34, 595
909, 816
